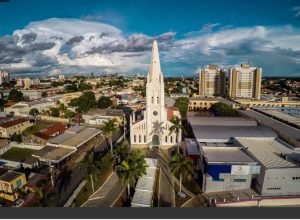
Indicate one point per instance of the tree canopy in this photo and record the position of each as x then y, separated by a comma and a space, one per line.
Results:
182, 104
221, 109
85, 102
34, 112
104, 102
15, 95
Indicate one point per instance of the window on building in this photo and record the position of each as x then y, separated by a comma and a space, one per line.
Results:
171, 139
134, 138
140, 139
166, 139
152, 100
274, 188
157, 99
144, 138
240, 180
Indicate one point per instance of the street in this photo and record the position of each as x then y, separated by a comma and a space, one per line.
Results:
107, 194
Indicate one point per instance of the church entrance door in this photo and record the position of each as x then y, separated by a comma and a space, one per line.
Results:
155, 141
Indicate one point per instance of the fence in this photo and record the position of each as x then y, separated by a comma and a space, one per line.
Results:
20, 145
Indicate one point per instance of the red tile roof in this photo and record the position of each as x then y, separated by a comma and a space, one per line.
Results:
13, 122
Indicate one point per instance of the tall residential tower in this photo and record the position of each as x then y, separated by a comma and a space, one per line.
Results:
212, 81
245, 82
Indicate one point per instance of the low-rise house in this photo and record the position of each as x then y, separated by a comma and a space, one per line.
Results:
98, 116
13, 125
23, 108
41, 137
10, 184
4, 146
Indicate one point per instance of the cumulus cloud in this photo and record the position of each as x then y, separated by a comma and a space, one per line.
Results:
74, 46
296, 9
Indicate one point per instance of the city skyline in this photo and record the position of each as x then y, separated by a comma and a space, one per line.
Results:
114, 36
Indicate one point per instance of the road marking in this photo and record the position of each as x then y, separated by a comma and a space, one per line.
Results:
102, 185
99, 197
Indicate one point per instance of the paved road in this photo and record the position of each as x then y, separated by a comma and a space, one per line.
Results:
106, 195
78, 175
285, 131
167, 193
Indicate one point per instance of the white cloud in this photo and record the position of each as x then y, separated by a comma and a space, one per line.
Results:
296, 9
75, 46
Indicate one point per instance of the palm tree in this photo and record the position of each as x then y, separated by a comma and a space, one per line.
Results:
132, 169
91, 167
121, 151
108, 129
126, 174
182, 166
158, 129
64, 179
175, 128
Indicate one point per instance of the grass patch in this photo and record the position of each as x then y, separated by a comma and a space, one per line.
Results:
32, 129
87, 191
17, 154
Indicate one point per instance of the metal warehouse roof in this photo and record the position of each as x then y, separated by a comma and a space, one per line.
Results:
285, 117
74, 137
268, 151
221, 134
142, 199
145, 184
226, 155
221, 121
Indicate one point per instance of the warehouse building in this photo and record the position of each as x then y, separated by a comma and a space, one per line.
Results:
280, 170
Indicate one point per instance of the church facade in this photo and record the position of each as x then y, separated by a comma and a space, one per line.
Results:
153, 129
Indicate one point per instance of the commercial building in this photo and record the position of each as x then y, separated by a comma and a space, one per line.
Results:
4, 77
280, 165
226, 167
245, 82
99, 116
212, 81
74, 137
23, 108
13, 125
10, 183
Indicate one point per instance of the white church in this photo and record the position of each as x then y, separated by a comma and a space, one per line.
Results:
153, 129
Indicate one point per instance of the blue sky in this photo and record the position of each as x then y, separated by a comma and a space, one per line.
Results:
53, 37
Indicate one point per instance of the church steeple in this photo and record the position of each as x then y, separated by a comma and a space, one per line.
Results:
155, 71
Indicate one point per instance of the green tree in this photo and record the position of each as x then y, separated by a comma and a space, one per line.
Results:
109, 128
182, 166
34, 112
64, 179
131, 169
16, 137
182, 104
222, 109
84, 86
15, 95
91, 167
121, 151
44, 94
85, 102
54, 112
175, 128
69, 114
104, 102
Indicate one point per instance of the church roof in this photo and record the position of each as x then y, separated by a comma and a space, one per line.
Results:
155, 71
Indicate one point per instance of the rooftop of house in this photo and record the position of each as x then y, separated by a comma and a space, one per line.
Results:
13, 122
105, 112
10, 176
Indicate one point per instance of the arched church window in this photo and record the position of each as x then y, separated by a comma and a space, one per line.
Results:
144, 138
140, 139
171, 139
152, 100
166, 139
157, 100
134, 138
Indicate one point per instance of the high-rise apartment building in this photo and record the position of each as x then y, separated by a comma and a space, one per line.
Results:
212, 81
245, 82
4, 77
